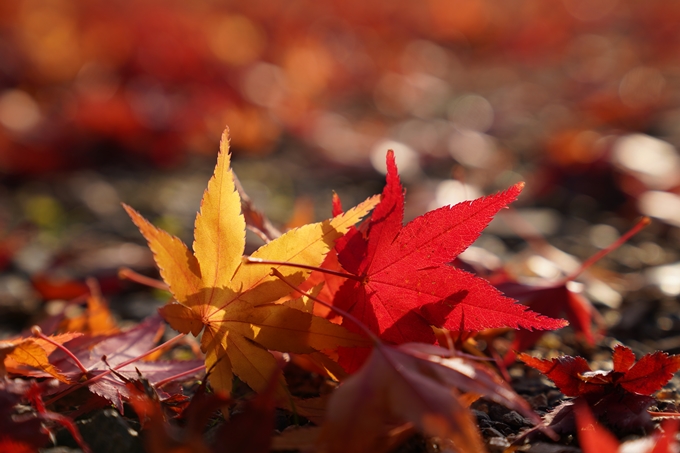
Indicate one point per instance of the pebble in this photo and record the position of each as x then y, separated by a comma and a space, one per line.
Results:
515, 420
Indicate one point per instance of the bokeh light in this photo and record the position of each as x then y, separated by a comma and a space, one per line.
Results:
158, 81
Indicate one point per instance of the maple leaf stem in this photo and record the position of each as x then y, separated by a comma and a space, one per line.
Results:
117, 367
129, 274
37, 332
161, 383
34, 395
95, 290
339, 311
642, 223
257, 222
664, 414
70, 426
499, 363
251, 260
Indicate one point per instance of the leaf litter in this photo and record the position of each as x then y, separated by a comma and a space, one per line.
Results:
399, 387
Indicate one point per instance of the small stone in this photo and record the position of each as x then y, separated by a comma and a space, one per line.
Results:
515, 420
483, 419
491, 433
503, 428
539, 401
496, 411
554, 397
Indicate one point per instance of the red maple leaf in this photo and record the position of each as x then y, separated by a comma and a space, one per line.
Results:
330, 282
573, 376
404, 283
620, 396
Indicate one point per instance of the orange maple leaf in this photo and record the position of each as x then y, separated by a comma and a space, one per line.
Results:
32, 352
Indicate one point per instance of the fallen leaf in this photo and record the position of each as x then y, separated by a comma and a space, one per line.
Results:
412, 383
34, 353
566, 372
51, 287
619, 396
117, 349
404, 283
573, 376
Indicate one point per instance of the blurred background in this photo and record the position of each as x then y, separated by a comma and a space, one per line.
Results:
110, 101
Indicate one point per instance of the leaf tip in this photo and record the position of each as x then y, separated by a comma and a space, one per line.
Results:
224, 140
337, 205
524, 357
391, 163
127, 207
132, 213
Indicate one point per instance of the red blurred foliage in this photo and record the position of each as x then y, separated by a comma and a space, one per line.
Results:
86, 82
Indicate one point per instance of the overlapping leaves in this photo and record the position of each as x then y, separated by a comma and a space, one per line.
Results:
233, 304
99, 354
398, 284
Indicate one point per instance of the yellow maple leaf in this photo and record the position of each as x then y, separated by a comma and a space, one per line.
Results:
232, 302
